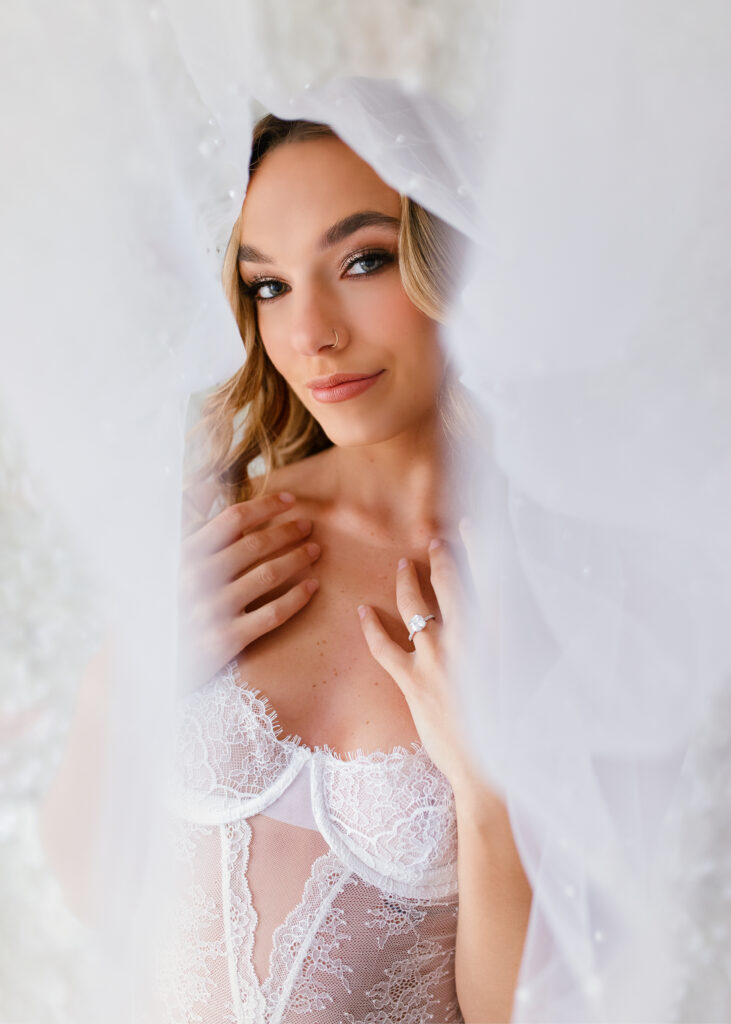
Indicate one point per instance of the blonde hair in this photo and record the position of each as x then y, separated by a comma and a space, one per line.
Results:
255, 414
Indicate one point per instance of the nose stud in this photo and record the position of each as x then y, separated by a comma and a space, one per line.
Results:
336, 339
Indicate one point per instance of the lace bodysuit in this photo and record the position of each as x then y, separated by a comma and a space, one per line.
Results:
312, 888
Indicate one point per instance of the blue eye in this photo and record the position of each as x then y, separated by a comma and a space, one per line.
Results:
271, 287
368, 262
360, 264
265, 289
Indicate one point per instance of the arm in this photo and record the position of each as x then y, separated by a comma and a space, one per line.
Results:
494, 906
494, 893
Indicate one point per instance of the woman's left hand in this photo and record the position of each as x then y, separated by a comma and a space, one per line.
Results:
422, 676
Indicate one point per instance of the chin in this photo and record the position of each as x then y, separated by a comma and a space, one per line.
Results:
352, 433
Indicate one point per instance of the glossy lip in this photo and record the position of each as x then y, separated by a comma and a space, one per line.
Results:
338, 378
342, 386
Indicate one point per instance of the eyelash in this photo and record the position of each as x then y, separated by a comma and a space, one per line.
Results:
386, 257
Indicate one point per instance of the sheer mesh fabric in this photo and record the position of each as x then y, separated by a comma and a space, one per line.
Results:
309, 887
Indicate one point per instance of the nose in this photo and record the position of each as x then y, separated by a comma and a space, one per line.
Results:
316, 325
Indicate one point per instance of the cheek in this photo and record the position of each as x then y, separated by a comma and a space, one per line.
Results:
390, 319
276, 337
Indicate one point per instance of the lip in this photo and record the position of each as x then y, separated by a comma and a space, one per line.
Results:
340, 386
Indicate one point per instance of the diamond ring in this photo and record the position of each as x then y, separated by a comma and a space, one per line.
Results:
416, 623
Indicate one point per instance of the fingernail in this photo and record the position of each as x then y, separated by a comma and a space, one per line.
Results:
304, 525
312, 585
313, 549
362, 610
402, 563
465, 523
435, 542
286, 497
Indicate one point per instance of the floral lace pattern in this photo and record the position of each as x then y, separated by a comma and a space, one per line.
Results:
319, 957
396, 812
224, 749
394, 919
186, 960
368, 938
405, 994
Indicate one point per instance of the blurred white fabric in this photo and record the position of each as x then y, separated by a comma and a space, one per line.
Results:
585, 149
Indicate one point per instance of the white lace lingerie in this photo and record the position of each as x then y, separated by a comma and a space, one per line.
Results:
310, 886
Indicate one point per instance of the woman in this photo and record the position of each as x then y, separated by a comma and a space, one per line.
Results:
343, 851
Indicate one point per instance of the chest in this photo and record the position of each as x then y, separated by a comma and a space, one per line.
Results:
317, 670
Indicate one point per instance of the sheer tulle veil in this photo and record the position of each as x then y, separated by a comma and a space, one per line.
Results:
583, 150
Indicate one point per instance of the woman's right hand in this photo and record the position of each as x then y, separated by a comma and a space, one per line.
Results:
230, 563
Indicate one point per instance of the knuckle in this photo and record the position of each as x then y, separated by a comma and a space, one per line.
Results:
255, 544
268, 575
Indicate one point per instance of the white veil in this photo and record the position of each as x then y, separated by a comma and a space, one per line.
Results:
584, 149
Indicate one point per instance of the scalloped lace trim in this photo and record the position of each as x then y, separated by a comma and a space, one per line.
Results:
392, 809
231, 673
240, 922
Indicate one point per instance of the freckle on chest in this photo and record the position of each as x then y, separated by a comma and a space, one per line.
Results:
326, 637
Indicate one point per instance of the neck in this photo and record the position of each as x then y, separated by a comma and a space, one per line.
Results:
397, 485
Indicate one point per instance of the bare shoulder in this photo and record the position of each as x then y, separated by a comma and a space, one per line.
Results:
306, 479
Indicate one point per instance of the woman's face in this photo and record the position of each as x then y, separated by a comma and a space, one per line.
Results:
319, 255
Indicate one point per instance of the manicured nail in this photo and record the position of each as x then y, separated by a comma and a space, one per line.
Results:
286, 497
435, 542
312, 585
304, 525
402, 563
313, 549
362, 610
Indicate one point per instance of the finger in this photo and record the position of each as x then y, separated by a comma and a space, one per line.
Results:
266, 577
253, 547
409, 598
445, 579
234, 521
386, 651
272, 614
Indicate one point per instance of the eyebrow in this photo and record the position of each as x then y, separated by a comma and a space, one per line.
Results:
340, 230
